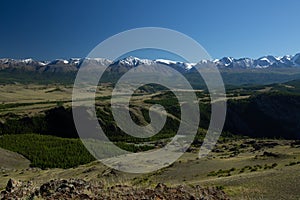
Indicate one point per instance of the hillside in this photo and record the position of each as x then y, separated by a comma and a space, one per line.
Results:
243, 168
12, 160
266, 115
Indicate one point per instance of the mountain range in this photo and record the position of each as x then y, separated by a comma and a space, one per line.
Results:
262, 71
73, 64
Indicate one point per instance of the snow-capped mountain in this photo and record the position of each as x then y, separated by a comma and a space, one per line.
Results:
122, 65
296, 59
262, 62
133, 62
184, 65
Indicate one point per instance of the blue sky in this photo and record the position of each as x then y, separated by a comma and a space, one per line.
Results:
45, 30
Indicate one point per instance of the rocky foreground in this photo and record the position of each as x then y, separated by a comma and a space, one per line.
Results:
80, 189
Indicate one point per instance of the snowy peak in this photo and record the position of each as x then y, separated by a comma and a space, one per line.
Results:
28, 60
58, 62
183, 65
262, 62
265, 61
226, 61
296, 59
164, 61
95, 61
133, 61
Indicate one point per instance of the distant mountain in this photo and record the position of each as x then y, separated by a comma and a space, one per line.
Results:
61, 65
262, 62
264, 70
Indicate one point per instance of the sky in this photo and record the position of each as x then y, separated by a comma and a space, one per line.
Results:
46, 30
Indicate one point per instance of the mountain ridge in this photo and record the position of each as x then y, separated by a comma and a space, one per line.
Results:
73, 64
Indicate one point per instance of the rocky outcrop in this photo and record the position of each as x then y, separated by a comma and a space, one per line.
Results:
80, 189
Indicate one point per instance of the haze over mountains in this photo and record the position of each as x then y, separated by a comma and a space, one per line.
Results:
61, 65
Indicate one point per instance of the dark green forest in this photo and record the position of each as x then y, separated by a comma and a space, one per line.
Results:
46, 151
